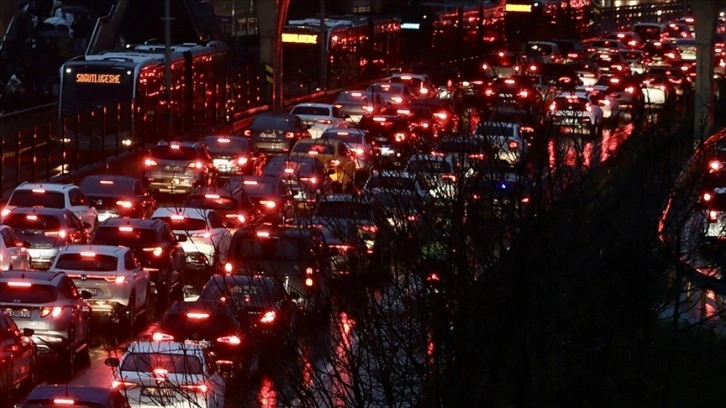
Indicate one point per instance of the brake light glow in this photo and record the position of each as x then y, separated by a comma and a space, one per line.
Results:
123, 384
441, 115
707, 197
150, 162
241, 161
231, 340
196, 387
268, 204
263, 234
197, 315
211, 196
715, 165
125, 229
38, 190
31, 217
289, 135
400, 137
358, 151
88, 254
513, 145
106, 182
250, 182
156, 251
5, 212
713, 215
268, 317
223, 140
196, 165
54, 311
124, 204
177, 217
19, 284
60, 234
158, 336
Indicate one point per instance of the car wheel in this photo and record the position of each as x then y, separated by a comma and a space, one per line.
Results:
143, 318
32, 379
67, 360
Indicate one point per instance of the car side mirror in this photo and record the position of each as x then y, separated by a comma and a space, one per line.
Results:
86, 294
28, 332
181, 237
111, 362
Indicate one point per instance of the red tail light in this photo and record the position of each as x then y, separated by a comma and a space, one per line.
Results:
124, 204
54, 311
289, 135
156, 251
715, 165
713, 215
268, 317
241, 161
59, 233
400, 137
553, 107
196, 165
369, 228
158, 336
268, 204
124, 384
707, 196
150, 162
324, 121
247, 132
231, 340
199, 388
513, 145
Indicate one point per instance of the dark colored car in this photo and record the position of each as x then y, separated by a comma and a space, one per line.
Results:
391, 136
298, 171
269, 312
271, 196
506, 196
447, 118
155, 245
422, 122
72, 395
511, 91
234, 155
352, 105
17, 359
46, 230
214, 324
118, 196
232, 204
276, 133
178, 167
294, 255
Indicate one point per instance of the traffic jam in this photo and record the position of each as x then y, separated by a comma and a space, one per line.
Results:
229, 257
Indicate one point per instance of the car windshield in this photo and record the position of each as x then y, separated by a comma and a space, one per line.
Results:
272, 248
337, 209
226, 145
22, 292
87, 262
256, 188
184, 223
123, 235
359, 98
243, 290
173, 153
29, 198
171, 363
21, 221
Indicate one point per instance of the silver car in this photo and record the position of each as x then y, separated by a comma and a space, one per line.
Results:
52, 306
115, 278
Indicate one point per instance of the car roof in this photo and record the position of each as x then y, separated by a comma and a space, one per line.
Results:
189, 212
31, 276
134, 222
45, 186
313, 105
39, 210
115, 250
85, 393
343, 131
167, 347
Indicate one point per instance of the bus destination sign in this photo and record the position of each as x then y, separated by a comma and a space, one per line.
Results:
86, 78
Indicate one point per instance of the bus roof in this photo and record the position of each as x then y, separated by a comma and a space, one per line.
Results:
150, 53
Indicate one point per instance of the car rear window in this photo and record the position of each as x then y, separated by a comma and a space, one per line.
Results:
311, 110
221, 145
22, 221
172, 363
243, 289
85, 262
215, 203
392, 182
129, 236
29, 198
184, 223
169, 153
345, 137
319, 148
272, 249
36, 293
337, 209
271, 122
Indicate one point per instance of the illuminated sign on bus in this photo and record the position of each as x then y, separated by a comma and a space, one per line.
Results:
518, 8
300, 38
86, 78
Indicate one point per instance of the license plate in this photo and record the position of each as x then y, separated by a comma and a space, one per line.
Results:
158, 392
19, 313
267, 135
173, 168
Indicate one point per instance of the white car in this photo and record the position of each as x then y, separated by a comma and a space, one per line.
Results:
437, 171
13, 251
655, 91
207, 240
53, 195
358, 143
168, 374
576, 111
505, 141
607, 101
319, 116
402, 183
115, 278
